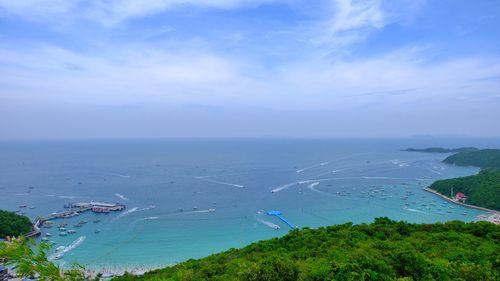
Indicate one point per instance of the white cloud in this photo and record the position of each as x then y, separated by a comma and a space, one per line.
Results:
108, 12
172, 76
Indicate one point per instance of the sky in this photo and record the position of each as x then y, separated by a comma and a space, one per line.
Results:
72, 69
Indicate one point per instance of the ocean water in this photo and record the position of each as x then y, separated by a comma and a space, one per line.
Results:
312, 182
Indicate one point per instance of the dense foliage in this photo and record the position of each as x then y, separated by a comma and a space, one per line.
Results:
383, 250
12, 224
485, 159
482, 189
31, 260
441, 150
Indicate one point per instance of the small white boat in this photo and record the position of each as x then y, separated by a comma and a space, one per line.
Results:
63, 233
71, 231
48, 234
211, 210
59, 256
60, 248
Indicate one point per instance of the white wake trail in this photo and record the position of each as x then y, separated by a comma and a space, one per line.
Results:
121, 197
268, 223
73, 245
225, 183
127, 212
311, 167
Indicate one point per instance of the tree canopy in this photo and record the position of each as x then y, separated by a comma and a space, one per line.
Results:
383, 250
12, 224
484, 159
482, 189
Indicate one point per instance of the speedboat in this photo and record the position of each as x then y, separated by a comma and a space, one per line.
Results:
60, 248
63, 233
58, 256
71, 231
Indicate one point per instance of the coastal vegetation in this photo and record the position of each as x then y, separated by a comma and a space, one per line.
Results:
482, 189
441, 149
383, 250
32, 260
13, 225
484, 159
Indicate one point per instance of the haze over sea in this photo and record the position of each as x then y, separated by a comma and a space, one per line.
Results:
315, 183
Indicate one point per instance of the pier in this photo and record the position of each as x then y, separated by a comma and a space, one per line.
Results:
78, 208
278, 215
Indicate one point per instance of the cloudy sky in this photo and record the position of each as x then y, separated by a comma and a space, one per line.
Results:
249, 68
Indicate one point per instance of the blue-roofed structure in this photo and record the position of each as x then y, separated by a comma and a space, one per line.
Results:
278, 215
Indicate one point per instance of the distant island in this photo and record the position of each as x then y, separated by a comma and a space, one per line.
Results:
441, 149
481, 190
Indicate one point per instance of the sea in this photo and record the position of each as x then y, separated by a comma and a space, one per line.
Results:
195, 197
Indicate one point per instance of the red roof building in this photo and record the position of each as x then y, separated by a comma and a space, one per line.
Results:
460, 197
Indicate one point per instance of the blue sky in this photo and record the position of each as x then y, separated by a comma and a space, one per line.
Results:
249, 68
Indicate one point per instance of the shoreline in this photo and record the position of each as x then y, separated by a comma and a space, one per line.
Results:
459, 203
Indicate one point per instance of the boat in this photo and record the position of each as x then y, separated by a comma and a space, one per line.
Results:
181, 210
63, 233
71, 231
78, 225
211, 210
62, 229
59, 256
48, 234
97, 231
97, 220
195, 208
45, 239
32, 207
23, 206
60, 248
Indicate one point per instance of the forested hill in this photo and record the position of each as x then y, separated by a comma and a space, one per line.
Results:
485, 159
12, 224
384, 250
482, 189
441, 150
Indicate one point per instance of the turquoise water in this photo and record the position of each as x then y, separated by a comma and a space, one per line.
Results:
316, 183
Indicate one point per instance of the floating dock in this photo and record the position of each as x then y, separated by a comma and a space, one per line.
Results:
278, 215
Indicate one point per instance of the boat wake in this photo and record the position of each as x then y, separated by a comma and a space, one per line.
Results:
224, 183
283, 187
312, 185
127, 212
120, 175
121, 197
67, 197
415, 210
268, 223
150, 218
73, 245
312, 167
